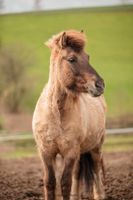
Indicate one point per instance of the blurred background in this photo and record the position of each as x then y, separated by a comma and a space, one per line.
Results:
24, 59
24, 67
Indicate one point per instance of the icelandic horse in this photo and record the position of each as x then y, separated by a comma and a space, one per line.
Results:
69, 120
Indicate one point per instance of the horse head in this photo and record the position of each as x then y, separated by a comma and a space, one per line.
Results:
72, 64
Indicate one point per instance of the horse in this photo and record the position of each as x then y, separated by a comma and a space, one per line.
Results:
69, 120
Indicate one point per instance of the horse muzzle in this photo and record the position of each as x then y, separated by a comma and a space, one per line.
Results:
100, 85
97, 89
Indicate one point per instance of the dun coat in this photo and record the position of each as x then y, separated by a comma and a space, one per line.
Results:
69, 120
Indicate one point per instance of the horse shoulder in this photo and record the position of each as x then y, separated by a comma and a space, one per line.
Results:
40, 115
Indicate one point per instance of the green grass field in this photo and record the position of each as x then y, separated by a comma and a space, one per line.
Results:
110, 45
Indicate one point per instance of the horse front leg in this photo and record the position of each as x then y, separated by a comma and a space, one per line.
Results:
97, 157
66, 180
49, 177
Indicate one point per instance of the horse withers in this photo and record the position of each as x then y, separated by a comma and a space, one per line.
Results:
69, 120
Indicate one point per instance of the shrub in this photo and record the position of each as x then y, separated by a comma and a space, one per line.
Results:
1, 123
14, 84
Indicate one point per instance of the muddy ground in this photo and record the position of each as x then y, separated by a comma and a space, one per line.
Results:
21, 179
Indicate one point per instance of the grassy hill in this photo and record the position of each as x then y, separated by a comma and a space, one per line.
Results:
110, 45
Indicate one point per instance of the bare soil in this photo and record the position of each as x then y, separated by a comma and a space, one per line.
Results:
21, 179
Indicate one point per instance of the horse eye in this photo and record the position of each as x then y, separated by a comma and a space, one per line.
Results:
72, 60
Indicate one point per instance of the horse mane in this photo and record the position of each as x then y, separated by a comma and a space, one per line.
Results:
74, 39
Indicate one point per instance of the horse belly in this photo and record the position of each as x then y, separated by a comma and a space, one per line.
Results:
92, 140
70, 138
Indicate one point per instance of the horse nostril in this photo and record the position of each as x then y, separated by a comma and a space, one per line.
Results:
100, 84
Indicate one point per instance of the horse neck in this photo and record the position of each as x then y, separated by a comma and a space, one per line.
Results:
55, 96
58, 96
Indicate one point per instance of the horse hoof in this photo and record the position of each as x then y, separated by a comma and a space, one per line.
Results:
100, 197
74, 197
86, 196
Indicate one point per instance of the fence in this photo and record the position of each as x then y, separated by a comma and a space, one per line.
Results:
23, 136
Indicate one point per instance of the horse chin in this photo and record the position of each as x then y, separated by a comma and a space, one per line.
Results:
95, 93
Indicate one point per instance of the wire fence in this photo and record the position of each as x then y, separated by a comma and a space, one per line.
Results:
5, 136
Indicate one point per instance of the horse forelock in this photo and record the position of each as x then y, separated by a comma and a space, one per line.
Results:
74, 39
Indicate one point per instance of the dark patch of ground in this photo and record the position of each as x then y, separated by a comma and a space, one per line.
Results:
21, 179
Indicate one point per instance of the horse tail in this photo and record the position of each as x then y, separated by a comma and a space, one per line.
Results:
103, 168
86, 170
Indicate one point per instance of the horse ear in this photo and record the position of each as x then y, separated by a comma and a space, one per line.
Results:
52, 41
49, 43
63, 40
57, 40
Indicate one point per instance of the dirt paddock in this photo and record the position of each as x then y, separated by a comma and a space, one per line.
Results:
21, 179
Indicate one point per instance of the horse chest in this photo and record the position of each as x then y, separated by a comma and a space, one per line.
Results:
83, 125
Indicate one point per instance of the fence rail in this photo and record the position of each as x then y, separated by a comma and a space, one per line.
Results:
5, 136
120, 131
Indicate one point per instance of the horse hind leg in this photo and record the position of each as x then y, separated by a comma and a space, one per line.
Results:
98, 187
75, 182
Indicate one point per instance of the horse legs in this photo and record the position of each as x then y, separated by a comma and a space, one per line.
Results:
99, 193
66, 180
49, 177
75, 182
